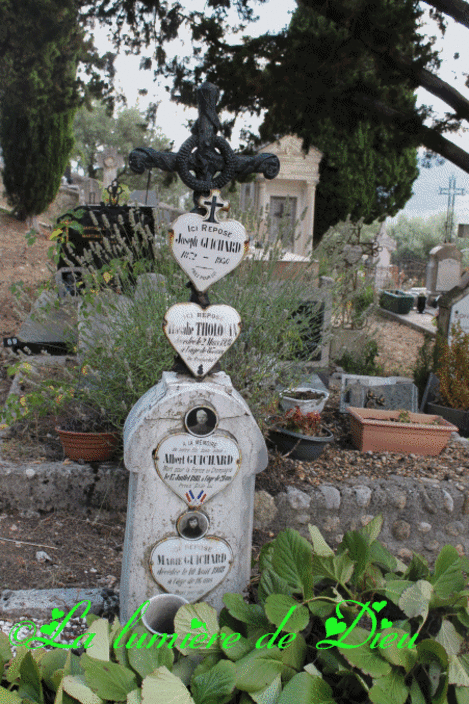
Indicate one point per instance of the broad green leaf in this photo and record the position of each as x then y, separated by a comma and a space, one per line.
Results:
320, 547
265, 556
448, 578
362, 656
246, 613
381, 556
108, 680
456, 672
402, 656
292, 560
52, 661
449, 638
430, 651
372, 529
183, 625
217, 682
372, 578
417, 569
99, 646
257, 669
294, 654
77, 688
134, 697
303, 688
359, 552
390, 689
277, 607
30, 679
463, 617
321, 608
5, 650
416, 695
146, 660
395, 588
184, 668
462, 695
7, 697
236, 649
312, 670
338, 568
13, 671
415, 600
270, 694
272, 583
162, 687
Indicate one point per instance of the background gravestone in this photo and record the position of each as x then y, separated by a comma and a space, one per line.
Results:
109, 160
454, 308
443, 268
387, 393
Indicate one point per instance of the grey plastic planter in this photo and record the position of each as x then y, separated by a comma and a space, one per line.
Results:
300, 447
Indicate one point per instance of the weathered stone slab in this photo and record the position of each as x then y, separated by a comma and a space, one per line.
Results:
355, 388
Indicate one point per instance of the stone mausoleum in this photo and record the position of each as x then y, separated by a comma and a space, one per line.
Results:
286, 202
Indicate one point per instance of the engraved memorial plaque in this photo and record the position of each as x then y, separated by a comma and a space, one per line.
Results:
201, 336
197, 469
205, 249
190, 568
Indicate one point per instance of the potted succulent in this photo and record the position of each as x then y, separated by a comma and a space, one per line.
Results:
305, 398
301, 435
398, 431
452, 369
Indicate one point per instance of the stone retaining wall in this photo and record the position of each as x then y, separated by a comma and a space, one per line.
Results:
419, 514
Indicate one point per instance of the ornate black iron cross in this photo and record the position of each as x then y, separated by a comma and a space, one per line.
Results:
205, 161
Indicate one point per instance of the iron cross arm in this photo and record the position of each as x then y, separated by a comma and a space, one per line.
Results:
205, 154
144, 158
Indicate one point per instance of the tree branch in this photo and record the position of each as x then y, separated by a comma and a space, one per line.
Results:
457, 9
428, 137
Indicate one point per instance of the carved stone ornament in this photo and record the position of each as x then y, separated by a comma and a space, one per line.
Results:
197, 469
201, 336
205, 248
190, 568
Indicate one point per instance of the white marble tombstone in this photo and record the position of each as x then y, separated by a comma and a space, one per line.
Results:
443, 268
454, 308
193, 449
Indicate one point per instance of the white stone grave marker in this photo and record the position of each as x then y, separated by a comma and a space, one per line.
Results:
201, 336
207, 251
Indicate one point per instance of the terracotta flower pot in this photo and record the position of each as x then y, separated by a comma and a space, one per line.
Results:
373, 430
90, 447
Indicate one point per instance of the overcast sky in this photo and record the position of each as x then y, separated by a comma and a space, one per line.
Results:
275, 15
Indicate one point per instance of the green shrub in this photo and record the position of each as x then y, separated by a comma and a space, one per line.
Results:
362, 628
424, 365
362, 363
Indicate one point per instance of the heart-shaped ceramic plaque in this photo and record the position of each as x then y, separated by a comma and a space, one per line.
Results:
199, 335
197, 468
207, 251
190, 568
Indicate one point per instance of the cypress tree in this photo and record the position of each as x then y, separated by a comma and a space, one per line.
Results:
36, 150
40, 41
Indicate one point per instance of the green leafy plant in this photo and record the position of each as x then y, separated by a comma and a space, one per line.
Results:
364, 362
424, 365
362, 628
453, 369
